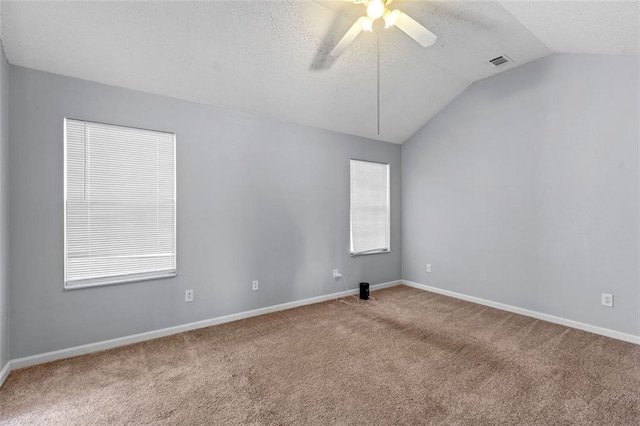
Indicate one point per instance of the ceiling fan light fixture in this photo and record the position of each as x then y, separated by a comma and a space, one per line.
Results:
366, 23
390, 17
375, 9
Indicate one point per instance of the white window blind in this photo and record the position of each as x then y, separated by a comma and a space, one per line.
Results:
370, 213
120, 204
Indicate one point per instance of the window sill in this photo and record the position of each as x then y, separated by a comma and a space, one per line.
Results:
116, 280
370, 253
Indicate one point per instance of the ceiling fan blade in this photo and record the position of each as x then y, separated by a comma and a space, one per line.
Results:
347, 39
415, 30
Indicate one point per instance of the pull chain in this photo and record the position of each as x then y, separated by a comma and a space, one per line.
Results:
378, 77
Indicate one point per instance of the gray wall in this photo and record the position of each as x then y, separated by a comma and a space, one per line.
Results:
257, 199
4, 235
525, 191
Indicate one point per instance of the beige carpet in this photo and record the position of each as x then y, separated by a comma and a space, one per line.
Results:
409, 357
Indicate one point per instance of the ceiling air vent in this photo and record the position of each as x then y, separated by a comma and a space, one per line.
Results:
500, 60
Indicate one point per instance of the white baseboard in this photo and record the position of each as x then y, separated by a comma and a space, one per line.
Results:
141, 337
4, 373
533, 314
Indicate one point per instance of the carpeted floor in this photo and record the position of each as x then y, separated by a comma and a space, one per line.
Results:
409, 357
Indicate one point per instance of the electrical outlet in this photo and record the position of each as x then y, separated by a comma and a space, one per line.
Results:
255, 286
428, 267
336, 274
188, 295
607, 300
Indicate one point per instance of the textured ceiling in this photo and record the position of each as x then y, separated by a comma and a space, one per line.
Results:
271, 58
605, 27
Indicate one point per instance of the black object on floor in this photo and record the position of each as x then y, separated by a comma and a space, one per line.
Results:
364, 291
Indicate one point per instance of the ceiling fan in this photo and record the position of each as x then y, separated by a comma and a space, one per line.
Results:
377, 9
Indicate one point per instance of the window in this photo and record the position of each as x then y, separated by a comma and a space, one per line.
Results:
370, 216
120, 204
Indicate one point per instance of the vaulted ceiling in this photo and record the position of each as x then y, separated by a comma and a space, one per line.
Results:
271, 57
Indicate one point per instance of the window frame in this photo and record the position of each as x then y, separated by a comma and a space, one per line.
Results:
370, 252
121, 279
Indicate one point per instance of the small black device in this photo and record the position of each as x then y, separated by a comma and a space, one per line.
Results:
364, 291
